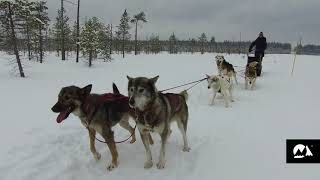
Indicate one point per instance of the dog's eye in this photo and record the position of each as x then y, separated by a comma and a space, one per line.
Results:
141, 90
131, 89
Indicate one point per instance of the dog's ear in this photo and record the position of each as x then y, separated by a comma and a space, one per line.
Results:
115, 89
85, 91
129, 78
154, 79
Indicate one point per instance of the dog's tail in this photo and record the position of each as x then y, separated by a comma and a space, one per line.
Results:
115, 89
185, 94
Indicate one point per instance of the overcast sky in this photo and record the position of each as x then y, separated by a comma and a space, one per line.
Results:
280, 20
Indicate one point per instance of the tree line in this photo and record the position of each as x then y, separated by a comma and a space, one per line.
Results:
24, 28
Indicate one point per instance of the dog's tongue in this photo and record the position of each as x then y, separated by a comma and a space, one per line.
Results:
63, 115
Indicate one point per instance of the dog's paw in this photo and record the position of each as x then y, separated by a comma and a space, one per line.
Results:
97, 156
111, 166
148, 164
186, 149
160, 165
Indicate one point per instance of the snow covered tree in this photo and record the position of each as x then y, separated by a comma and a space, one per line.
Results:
5, 31
213, 43
173, 49
27, 18
42, 22
136, 18
89, 39
154, 43
62, 31
74, 37
123, 31
203, 41
105, 42
9, 8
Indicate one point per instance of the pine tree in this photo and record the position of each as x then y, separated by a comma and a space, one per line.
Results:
89, 39
154, 44
74, 37
62, 26
123, 31
9, 9
42, 21
5, 32
193, 45
105, 42
136, 18
203, 41
173, 49
26, 15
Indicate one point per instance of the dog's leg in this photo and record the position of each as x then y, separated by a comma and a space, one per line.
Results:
225, 97
150, 139
213, 97
182, 128
164, 136
125, 124
246, 83
231, 94
145, 140
92, 135
253, 86
235, 77
109, 138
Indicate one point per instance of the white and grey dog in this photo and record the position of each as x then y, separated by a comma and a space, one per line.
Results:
221, 84
154, 113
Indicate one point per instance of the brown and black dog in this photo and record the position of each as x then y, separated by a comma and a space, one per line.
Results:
225, 68
97, 115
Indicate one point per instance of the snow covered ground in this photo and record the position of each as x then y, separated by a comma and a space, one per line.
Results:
246, 141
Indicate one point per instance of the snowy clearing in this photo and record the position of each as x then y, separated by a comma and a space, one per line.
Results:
246, 141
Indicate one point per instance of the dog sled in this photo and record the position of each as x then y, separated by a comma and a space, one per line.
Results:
253, 58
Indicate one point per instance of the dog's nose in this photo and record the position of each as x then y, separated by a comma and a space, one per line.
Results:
208, 87
131, 102
54, 109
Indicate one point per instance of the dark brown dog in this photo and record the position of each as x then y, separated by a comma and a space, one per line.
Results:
97, 115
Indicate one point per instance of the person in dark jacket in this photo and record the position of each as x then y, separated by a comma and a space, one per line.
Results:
261, 45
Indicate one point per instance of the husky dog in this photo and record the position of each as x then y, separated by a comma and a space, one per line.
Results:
96, 115
221, 84
251, 75
155, 111
225, 68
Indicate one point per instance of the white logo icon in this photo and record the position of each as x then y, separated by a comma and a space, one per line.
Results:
298, 151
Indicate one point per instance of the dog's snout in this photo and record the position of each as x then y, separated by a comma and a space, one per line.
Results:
56, 108
208, 87
131, 101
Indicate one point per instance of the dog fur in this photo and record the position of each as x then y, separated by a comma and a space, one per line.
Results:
155, 112
225, 68
221, 84
101, 119
251, 75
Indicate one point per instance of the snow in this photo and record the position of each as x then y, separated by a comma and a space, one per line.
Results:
245, 141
